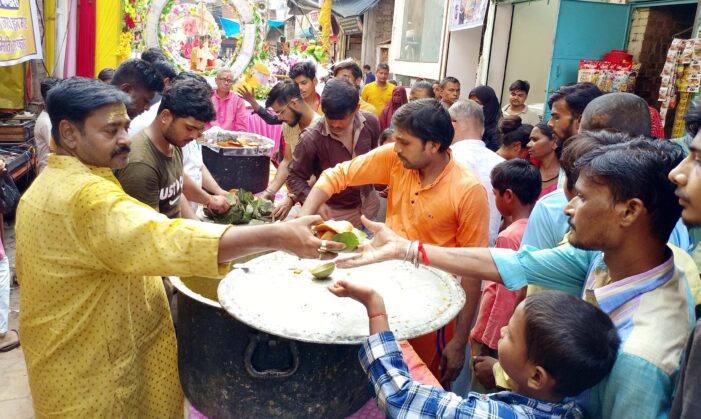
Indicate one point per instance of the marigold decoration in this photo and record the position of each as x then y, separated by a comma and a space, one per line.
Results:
325, 21
124, 51
179, 29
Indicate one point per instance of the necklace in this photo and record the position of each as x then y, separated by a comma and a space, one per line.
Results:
551, 179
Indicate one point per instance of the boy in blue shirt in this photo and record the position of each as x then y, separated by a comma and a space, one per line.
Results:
554, 347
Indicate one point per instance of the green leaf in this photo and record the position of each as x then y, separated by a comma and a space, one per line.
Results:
349, 238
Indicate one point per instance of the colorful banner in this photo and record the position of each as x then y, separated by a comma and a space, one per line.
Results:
466, 14
19, 32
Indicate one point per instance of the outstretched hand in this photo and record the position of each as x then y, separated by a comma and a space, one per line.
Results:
373, 302
385, 245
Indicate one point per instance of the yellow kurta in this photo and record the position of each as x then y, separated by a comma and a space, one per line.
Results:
96, 329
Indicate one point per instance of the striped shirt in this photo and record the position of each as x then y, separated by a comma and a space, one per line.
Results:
398, 396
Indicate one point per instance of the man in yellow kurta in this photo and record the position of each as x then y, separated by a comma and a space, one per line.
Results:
96, 329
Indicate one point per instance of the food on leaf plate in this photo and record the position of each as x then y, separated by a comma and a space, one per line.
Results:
340, 231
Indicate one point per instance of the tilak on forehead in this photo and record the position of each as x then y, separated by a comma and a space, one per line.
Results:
118, 114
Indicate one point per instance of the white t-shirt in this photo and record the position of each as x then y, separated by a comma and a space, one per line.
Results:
480, 160
42, 138
192, 165
144, 119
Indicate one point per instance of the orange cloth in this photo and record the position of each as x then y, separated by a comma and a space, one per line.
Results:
450, 212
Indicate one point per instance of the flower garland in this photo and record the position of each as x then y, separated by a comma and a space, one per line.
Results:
132, 27
325, 21
178, 28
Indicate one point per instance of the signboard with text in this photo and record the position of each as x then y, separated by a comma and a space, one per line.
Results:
351, 25
19, 32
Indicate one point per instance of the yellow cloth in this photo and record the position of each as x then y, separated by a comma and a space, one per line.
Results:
12, 87
108, 28
50, 34
377, 97
364, 106
96, 329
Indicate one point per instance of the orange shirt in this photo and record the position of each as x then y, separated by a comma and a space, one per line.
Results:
450, 212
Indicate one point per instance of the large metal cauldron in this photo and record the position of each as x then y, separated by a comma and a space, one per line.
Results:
230, 370
238, 167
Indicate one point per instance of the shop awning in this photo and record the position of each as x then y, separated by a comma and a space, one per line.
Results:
342, 8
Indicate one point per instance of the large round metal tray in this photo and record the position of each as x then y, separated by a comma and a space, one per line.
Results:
261, 146
271, 295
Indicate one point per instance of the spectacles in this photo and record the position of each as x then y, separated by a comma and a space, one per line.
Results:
228, 81
279, 113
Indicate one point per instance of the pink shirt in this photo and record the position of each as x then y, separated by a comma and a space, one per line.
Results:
231, 113
498, 303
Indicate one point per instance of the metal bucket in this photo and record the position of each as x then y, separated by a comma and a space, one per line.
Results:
230, 370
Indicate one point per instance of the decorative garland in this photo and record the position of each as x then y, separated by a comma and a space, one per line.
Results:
132, 27
250, 40
177, 29
325, 21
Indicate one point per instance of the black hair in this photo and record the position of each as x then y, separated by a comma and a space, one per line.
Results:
447, 80
76, 98
303, 68
105, 74
385, 135
138, 73
624, 112
519, 175
367, 67
424, 85
512, 130
574, 341
348, 65
580, 144
48, 84
188, 98
153, 54
189, 75
382, 66
639, 169
283, 92
521, 85
339, 99
427, 119
577, 97
165, 69
693, 118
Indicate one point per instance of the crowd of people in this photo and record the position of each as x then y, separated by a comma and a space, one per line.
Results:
570, 236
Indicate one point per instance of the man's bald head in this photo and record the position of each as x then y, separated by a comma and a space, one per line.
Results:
622, 112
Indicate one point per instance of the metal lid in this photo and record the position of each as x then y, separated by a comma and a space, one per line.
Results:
258, 145
272, 295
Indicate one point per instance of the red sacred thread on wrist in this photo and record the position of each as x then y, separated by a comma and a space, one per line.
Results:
422, 252
378, 315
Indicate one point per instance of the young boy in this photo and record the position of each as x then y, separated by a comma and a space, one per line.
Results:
555, 346
516, 187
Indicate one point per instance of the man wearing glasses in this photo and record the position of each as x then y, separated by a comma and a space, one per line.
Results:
230, 108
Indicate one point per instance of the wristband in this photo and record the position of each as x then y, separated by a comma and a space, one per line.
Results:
424, 256
377, 315
408, 249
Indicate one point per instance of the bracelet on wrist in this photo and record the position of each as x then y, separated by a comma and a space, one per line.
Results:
377, 315
408, 249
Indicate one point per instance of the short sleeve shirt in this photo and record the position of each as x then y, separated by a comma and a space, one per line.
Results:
152, 177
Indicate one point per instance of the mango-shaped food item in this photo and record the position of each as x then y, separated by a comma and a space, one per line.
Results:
323, 271
336, 227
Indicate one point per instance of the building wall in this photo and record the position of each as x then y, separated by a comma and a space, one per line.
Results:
463, 57
377, 30
531, 47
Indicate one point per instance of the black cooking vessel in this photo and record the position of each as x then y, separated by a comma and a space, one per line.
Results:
230, 370
249, 171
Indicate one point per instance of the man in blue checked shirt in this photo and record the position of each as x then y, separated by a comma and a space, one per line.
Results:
554, 347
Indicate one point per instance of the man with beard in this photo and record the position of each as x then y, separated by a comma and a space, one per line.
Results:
95, 323
432, 199
154, 174
140, 81
623, 213
343, 133
567, 106
687, 177
286, 101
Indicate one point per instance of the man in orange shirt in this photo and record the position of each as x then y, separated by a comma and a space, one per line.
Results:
431, 198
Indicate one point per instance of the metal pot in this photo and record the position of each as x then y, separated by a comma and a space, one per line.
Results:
230, 370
